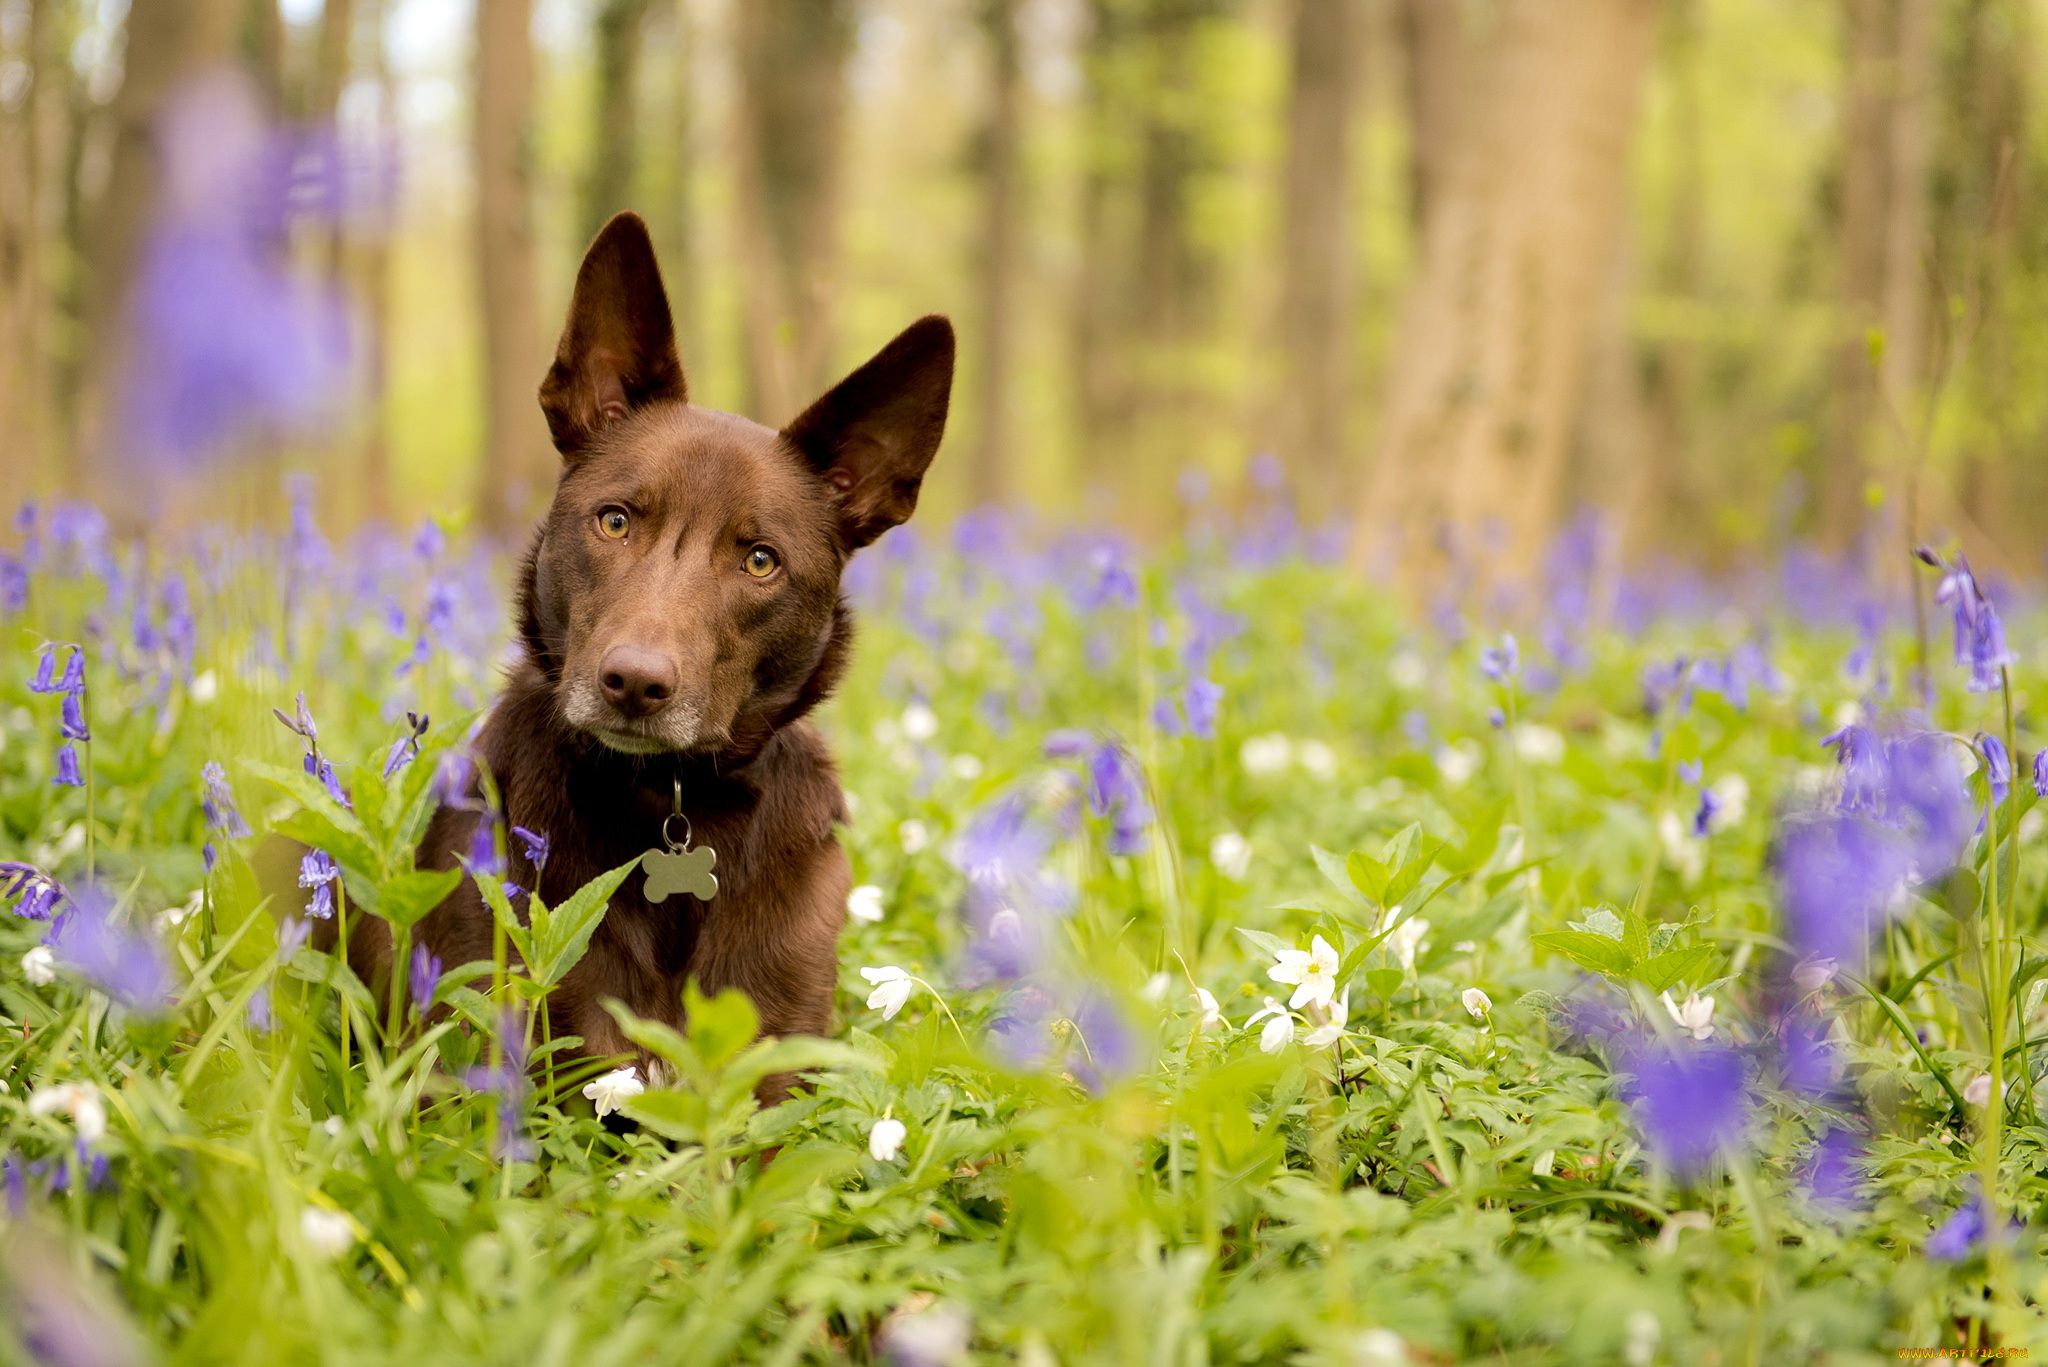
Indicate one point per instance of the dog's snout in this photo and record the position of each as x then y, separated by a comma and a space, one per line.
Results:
637, 681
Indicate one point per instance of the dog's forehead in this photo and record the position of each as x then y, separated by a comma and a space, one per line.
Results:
688, 457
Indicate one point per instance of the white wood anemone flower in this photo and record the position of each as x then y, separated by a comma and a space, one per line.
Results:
614, 1089
1696, 1015
864, 903
1477, 1002
328, 1233
1332, 1027
1211, 1013
1312, 971
78, 1100
893, 988
1279, 1026
885, 1140
39, 966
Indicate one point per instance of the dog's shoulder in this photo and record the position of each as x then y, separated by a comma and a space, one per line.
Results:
797, 785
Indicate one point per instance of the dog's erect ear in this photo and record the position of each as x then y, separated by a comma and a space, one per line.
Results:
618, 349
874, 434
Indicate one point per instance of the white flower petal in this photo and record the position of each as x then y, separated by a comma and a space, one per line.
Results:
885, 1140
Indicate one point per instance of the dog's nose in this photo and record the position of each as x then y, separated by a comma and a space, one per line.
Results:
637, 681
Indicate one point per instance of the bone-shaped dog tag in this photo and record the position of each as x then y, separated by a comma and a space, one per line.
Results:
673, 871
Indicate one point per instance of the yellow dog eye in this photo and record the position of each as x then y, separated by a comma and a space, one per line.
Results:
613, 523
761, 562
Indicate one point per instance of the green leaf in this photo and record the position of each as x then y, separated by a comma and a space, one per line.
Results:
657, 1039
720, 1026
340, 832
1333, 869
1587, 950
560, 946
1385, 981
1603, 921
1676, 966
673, 1114
1368, 875
1400, 847
493, 890
1264, 942
406, 899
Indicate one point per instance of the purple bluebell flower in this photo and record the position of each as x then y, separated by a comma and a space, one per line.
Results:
68, 774
1068, 743
1807, 1057
1109, 1045
1116, 789
1979, 635
234, 341
1011, 896
1997, 766
1833, 1172
2041, 773
121, 960
484, 858
292, 937
45, 680
1691, 1102
73, 680
73, 724
1667, 685
42, 896
1689, 771
1960, 1235
1202, 700
455, 777
299, 721
1703, 819
1022, 1034
318, 871
1839, 874
407, 747
534, 845
1503, 662
425, 976
1166, 717
508, 1082
15, 1174
262, 1018
218, 803
316, 767
13, 584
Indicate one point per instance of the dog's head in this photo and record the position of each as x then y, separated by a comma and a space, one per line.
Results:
683, 594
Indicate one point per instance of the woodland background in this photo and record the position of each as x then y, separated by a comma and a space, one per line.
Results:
1738, 273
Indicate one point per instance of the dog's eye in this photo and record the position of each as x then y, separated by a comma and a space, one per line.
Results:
761, 562
613, 523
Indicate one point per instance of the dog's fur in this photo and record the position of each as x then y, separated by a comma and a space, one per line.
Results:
662, 656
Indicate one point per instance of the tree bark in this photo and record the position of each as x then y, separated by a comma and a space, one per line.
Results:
1904, 306
615, 145
167, 41
1433, 36
516, 468
1491, 354
1866, 171
791, 125
1316, 292
989, 477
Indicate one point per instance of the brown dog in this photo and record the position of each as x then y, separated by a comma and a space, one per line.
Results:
680, 613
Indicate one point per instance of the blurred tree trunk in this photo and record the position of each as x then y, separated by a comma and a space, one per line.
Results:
614, 155
1147, 282
20, 294
792, 126
515, 468
1906, 209
1866, 168
167, 41
372, 270
1490, 359
990, 479
674, 208
1433, 35
1317, 303
1982, 249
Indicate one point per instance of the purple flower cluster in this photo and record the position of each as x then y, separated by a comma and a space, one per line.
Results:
71, 685
42, 897
319, 873
508, 1082
91, 940
1979, 635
